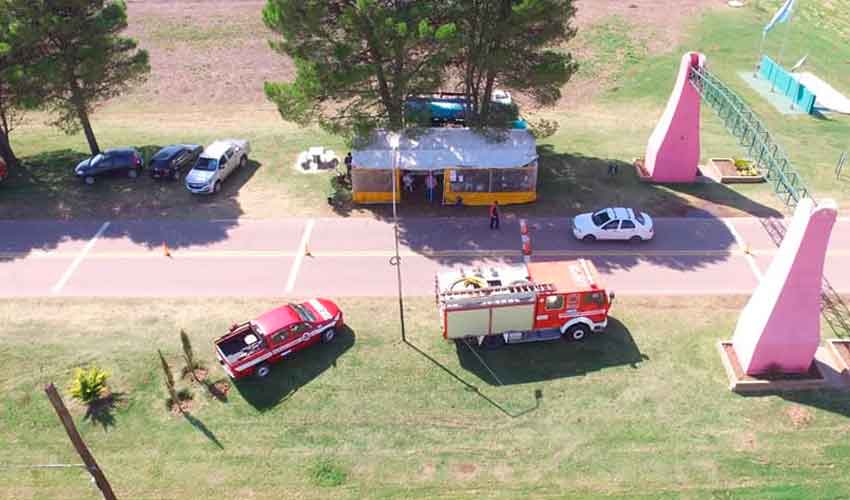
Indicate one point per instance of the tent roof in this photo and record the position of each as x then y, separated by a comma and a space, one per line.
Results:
440, 148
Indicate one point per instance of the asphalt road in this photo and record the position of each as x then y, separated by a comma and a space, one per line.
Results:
350, 257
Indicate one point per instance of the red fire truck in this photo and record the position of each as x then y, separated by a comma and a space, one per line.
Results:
524, 303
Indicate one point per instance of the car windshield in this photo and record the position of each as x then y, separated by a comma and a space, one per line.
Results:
162, 155
206, 164
600, 217
303, 312
97, 159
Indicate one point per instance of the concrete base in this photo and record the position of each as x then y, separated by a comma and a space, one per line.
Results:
840, 350
825, 373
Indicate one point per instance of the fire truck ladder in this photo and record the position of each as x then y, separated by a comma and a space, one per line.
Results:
522, 291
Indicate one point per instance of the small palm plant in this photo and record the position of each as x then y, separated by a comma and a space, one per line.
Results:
88, 384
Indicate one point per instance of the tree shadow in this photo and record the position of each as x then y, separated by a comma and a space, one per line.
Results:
293, 373
570, 184
102, 410
58, 208
540, 361
831, 400
197, 424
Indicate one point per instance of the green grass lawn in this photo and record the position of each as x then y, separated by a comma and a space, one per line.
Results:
730, 39
642, 410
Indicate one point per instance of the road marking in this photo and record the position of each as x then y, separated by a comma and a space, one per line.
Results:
299, 257
82, 255
744, 248
152, 254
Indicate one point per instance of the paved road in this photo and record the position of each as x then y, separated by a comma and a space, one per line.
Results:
349, 257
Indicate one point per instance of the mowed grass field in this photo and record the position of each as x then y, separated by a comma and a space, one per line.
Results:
617, 97
640, 411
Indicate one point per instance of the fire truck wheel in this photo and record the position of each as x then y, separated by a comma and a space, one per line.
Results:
328, 335
263, 371
589, 238
578, 332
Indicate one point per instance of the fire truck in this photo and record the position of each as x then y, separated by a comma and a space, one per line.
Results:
531, 302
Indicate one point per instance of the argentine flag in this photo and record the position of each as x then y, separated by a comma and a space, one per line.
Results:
781, 15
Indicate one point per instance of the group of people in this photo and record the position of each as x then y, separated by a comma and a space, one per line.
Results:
430, 184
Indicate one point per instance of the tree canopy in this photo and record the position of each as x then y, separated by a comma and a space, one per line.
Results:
517, 45
66, 56
357, 60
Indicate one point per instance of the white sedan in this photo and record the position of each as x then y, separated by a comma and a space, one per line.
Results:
613, 224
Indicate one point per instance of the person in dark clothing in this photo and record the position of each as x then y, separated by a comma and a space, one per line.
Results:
348, 165
494, 215
613, 168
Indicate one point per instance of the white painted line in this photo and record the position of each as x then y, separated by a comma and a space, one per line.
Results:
302, 249
742, 245
82, 255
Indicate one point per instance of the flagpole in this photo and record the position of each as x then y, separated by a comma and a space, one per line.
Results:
760, 54
785, 37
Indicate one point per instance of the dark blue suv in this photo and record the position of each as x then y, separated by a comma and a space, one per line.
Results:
126, 161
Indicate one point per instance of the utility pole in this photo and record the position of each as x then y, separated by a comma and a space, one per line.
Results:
77, 441
396, 260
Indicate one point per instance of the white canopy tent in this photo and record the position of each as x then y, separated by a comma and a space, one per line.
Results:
439, 148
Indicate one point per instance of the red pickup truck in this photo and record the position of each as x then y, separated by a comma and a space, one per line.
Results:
250, 348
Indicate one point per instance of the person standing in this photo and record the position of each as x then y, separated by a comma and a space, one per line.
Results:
494, 215
430, 183
348, 161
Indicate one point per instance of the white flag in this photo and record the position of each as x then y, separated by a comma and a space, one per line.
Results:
781, 15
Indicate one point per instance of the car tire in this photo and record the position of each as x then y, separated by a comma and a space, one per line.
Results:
132, 173
89, 180
635, 239
263, 371
577, 332
242, 162
328, 336
588, 238
217, 187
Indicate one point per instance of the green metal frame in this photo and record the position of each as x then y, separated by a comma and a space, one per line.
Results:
745, 125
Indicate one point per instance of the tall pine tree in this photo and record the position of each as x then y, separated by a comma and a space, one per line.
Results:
85, 60
518, 45
357, 60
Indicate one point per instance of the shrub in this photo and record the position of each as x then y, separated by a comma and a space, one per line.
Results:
189, 355
88, 384
169, 379
325, 472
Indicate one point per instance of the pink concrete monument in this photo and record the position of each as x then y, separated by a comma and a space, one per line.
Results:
673, 153
779, 329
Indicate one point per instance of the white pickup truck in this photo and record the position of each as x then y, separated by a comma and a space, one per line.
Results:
215, 164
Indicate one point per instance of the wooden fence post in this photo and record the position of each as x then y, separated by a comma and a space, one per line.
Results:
77, 441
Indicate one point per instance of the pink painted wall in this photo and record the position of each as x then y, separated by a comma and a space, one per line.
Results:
780, 325
673, 150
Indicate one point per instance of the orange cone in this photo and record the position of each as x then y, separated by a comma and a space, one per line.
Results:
165, 250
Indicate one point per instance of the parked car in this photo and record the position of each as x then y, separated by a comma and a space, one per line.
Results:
127, 161
250, 348
215, 164
613, 224
171, 161
4, 171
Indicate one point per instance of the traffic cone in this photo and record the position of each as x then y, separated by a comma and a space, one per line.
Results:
165, 250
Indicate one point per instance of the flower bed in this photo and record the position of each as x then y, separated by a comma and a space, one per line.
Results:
729, 170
